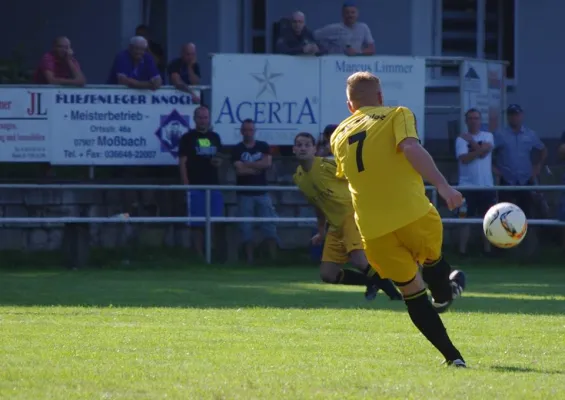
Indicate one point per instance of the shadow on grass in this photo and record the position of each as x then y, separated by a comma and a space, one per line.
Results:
275, 287
529, 370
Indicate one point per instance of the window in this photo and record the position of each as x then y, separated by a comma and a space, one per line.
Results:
259, 32
483, 29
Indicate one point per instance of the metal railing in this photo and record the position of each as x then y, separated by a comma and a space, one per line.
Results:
208, 219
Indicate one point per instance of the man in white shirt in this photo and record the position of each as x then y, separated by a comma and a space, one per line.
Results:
474, 154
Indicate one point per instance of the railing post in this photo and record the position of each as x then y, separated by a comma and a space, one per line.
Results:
434, 197
208, 227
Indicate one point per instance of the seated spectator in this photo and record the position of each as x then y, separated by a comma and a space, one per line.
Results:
59, 66
135, 67
562, 205
153, 48
299, 39
348, 37
185, 71
251, 159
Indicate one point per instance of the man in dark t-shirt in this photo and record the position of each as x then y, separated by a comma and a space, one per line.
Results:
199, 160
251, 159
184, 71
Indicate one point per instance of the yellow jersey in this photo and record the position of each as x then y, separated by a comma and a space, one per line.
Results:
386, 190
326, 191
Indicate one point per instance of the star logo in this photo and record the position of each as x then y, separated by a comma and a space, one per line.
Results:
265, 80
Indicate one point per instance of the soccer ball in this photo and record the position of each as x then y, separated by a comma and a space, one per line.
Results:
505, 225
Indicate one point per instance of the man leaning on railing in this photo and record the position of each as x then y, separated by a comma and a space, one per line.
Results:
135, 67
59, 66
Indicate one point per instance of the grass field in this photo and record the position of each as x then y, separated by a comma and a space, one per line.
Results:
270, 333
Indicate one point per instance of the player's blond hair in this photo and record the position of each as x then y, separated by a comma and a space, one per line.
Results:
364, 89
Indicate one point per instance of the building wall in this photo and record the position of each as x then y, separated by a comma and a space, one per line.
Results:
97, 30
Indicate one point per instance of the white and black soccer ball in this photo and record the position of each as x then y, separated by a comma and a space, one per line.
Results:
505, 225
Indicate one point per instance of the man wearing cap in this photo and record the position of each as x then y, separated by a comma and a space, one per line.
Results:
513, 164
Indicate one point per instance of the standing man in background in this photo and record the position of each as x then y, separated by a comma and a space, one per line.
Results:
251, 159
513, 159
199, 160
474, 155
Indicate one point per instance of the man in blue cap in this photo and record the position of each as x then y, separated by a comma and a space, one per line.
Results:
513, 165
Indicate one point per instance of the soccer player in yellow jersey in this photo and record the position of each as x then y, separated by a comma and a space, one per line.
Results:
316, 178
377, 149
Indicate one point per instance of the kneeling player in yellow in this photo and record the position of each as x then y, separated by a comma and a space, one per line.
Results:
377, 149
316, 178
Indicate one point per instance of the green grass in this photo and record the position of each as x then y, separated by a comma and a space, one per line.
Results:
234, 332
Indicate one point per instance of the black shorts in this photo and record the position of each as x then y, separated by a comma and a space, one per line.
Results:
478, 202
522, 198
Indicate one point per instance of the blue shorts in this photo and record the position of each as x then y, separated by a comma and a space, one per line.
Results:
196, 205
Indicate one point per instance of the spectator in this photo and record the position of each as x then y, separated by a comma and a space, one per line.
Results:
513, 158
59, 66
324, 142
474, 154
199, 160
562, 203
251, 159
185, 71
135, 67
348, 37
153, 48
299, 39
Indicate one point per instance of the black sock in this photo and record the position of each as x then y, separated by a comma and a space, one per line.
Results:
427, 320
436, 276
350, 277
385, 285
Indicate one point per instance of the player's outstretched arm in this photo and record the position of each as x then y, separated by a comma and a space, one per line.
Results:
425, 166
422, 161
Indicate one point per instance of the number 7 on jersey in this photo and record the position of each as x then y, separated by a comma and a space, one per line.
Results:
359, 138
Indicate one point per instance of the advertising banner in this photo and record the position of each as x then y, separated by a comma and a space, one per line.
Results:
482, 88
403, 81
280, 93
24, 126
119, 126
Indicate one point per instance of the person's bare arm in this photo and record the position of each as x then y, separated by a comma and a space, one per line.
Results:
133, 83
369, 50
192, 76
244, 169
178, 83
264, 163
320, 221
485, 149
422, 161
182, 169
52, 80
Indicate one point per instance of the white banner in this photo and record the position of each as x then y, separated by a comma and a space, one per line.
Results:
280, 93
482, 88
403, 81
24, 126
119, 126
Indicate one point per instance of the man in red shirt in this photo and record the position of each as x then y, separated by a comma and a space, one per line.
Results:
59, 67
